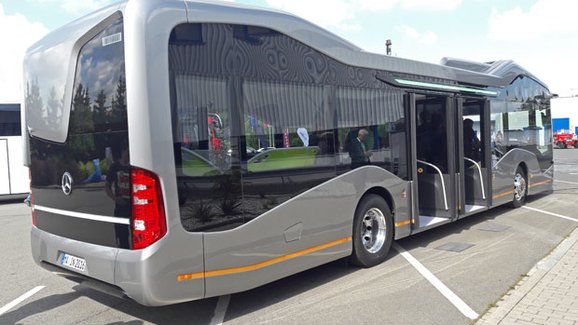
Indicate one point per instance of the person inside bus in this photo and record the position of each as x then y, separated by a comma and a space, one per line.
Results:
357, 151
436, 142
423, 132
471, 142
497, 143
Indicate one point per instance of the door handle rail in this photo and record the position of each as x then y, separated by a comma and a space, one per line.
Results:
480, 173
441, 177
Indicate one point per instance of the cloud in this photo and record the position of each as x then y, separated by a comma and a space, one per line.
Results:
15, 43
75, 7
430, 5
373, 5
84, 6
545, 17
341, 14
327, 13
426, 38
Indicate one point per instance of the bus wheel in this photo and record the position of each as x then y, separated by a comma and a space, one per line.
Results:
372, 232
520, 188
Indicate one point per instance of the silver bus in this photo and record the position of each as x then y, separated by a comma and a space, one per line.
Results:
181, 150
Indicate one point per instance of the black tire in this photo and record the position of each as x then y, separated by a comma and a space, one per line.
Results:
576, 144
520, 187
370, 244
561, 145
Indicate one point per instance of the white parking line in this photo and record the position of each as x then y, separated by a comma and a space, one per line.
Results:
220, 310
550, 213
442, 288
20, 299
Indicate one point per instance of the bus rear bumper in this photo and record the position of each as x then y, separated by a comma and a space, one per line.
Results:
85, 281
141, 275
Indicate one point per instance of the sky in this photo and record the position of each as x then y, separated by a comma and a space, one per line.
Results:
540, 35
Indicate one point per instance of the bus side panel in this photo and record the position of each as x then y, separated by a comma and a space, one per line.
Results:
308, 230
539, 182
150, 275
504, 170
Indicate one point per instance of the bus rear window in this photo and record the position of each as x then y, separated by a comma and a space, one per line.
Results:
99, 97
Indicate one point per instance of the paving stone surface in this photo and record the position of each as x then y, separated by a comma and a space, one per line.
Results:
548, 295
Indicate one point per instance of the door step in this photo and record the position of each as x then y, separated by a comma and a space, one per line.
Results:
473, 208
426, 221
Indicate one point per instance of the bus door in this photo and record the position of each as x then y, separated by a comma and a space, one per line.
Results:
472, 142
434, 166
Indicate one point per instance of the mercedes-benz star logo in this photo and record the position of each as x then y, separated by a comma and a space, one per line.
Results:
67, 183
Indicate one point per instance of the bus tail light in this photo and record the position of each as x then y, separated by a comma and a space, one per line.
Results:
148, 213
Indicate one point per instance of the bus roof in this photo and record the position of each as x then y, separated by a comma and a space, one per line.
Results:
493, 74
496, 74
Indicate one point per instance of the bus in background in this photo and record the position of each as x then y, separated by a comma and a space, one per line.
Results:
13, 173
181, 150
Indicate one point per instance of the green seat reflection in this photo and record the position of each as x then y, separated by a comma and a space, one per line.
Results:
196, 165
283, 158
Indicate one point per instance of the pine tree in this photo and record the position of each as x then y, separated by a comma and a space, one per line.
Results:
33, 100
119, 117
99, 112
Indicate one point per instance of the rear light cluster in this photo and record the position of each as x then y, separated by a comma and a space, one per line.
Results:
148, 214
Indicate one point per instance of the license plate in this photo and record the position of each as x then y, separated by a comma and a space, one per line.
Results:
73, 262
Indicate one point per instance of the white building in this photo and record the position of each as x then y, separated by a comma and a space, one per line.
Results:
566, 107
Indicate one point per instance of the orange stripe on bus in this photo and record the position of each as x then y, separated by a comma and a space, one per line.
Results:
403, 223
503, 194
548, 181
512, 192
190, 276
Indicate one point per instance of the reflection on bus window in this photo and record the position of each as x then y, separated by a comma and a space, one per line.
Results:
381, 113
286, 126
203, 125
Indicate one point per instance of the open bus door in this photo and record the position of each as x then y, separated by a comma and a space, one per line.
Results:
473, 154
450, 169
434, 168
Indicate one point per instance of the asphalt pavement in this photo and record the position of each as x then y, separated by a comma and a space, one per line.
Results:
473, 263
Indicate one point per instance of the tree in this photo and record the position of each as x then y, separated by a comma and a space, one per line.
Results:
118, 110
81, 125
54, 108
33, 100
99, 112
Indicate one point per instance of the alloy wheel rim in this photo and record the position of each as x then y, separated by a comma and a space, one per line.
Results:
373, 230
519, 187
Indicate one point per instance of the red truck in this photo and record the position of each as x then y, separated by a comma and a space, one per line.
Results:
565, 138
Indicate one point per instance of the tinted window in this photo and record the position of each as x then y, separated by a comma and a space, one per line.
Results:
96, 152
10, 120
255, 120
287, 126
523, 121
380, 113
99, 100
